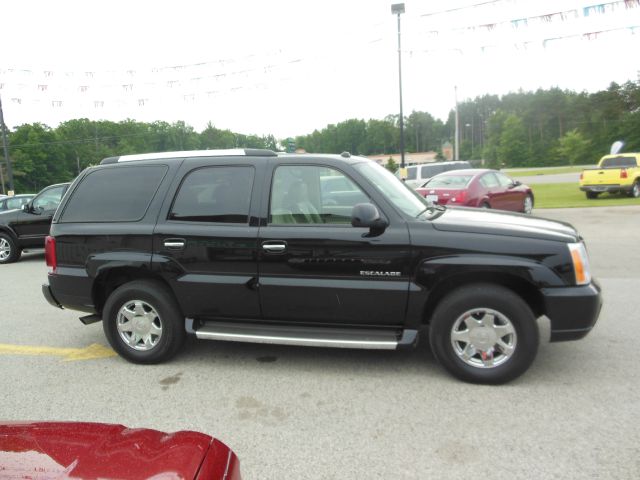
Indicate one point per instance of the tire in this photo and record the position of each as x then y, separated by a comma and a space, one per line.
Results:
159, 330
527, 205
635, 190
592, 195
9, 250
484, 356
485, 205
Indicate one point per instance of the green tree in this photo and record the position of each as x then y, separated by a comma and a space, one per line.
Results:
513, 150
391, 165
574, 149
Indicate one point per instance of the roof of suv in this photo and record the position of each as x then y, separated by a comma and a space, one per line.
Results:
233, 152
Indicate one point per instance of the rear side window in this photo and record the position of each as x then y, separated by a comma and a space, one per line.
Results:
412, 173
121, 194
215, 194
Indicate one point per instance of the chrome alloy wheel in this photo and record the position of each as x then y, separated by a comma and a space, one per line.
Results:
5, 249
139, 325
528, 205
635, 191
483, 338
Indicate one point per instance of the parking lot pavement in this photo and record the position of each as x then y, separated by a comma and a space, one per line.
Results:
306, 413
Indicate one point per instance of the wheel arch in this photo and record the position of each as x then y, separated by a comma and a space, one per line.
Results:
521, 287
9, 231
109, 279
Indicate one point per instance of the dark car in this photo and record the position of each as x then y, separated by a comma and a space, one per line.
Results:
253, 246
28, 227
478, 188
15, 202
48, 450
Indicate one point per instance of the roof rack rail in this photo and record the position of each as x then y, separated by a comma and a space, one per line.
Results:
232, 152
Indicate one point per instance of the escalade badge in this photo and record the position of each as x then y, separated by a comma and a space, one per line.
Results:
373, 273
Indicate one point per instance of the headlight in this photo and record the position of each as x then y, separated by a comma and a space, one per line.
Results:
580, 263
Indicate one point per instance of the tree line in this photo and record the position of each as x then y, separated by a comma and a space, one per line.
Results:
520, 129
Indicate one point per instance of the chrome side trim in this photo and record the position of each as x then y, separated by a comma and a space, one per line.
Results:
385, 340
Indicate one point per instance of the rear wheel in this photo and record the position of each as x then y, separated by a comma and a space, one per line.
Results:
635, 190
143, 323
9, 250
592, 195
484, 333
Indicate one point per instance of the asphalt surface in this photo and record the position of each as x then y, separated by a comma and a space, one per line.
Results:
307, 413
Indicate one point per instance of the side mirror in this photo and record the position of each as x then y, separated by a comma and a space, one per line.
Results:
367, 215
516, 183
26, 207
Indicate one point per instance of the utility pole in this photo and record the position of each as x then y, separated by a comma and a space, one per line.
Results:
398, 9
6, 150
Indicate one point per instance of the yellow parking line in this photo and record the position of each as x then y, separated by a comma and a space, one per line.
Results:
91, 352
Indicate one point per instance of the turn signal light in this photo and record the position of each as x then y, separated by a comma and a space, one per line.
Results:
580, 262
50, 254
581, 175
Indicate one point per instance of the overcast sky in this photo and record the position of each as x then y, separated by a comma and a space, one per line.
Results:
291, 66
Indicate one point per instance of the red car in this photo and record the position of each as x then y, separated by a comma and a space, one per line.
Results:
46, 450
478, 188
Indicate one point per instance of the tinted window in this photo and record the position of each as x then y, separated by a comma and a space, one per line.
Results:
121, 194
619, 162
431, 170
312, 194
214, 194
412, 173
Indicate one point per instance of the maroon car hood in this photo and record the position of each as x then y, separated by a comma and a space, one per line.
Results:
93, 450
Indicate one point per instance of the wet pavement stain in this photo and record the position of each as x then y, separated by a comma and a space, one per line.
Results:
254, 410
168, 381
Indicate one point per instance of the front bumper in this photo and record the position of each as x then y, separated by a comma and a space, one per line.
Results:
573, 311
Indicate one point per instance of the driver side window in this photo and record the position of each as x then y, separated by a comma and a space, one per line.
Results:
306, 194
49, 199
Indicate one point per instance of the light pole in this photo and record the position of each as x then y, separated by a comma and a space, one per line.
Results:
6, 151
398, 9
457, 139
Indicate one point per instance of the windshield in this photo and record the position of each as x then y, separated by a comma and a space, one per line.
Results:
399, 194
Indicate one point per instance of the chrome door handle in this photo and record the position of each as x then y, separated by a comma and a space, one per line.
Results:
174, 243
279, 247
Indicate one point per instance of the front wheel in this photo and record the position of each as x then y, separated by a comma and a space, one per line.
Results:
527, 205
143, 323
484, 333
9, 250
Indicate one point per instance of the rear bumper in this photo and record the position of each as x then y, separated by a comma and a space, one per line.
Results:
573, 311
48, 295
606, 188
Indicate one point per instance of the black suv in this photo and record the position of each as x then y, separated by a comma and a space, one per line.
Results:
28, 228
254, 246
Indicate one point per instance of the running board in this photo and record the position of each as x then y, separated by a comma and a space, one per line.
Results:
305, 336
